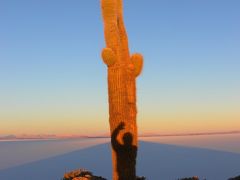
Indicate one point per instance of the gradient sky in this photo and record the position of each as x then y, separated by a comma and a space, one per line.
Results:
53, 81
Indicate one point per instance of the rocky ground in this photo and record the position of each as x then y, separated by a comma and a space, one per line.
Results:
82, 174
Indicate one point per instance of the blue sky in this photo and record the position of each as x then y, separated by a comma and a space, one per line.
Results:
51, 71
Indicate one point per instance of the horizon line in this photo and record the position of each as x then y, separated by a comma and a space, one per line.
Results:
56, 137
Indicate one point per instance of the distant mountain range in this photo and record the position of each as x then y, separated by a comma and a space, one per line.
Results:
16, 137
53, 136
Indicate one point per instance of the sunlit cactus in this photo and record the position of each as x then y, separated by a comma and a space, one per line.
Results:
137, 60
122, 73
109, 57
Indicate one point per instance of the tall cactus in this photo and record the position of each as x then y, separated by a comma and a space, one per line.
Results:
122, 72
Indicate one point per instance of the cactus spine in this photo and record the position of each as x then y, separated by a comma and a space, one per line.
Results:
122, 73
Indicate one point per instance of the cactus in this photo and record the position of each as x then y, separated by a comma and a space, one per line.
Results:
122, 72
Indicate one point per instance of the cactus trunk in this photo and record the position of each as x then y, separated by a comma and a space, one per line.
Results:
122, 73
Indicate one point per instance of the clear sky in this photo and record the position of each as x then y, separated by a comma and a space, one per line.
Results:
53, 81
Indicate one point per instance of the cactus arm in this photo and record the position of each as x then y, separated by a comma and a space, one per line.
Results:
137, 60
109, 13
122, 33
109, 57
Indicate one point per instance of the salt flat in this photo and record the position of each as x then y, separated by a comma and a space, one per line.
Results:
155, 161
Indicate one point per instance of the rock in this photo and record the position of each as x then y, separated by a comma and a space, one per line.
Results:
191, 178
80, 178
140, 178
81, 174
235, 178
